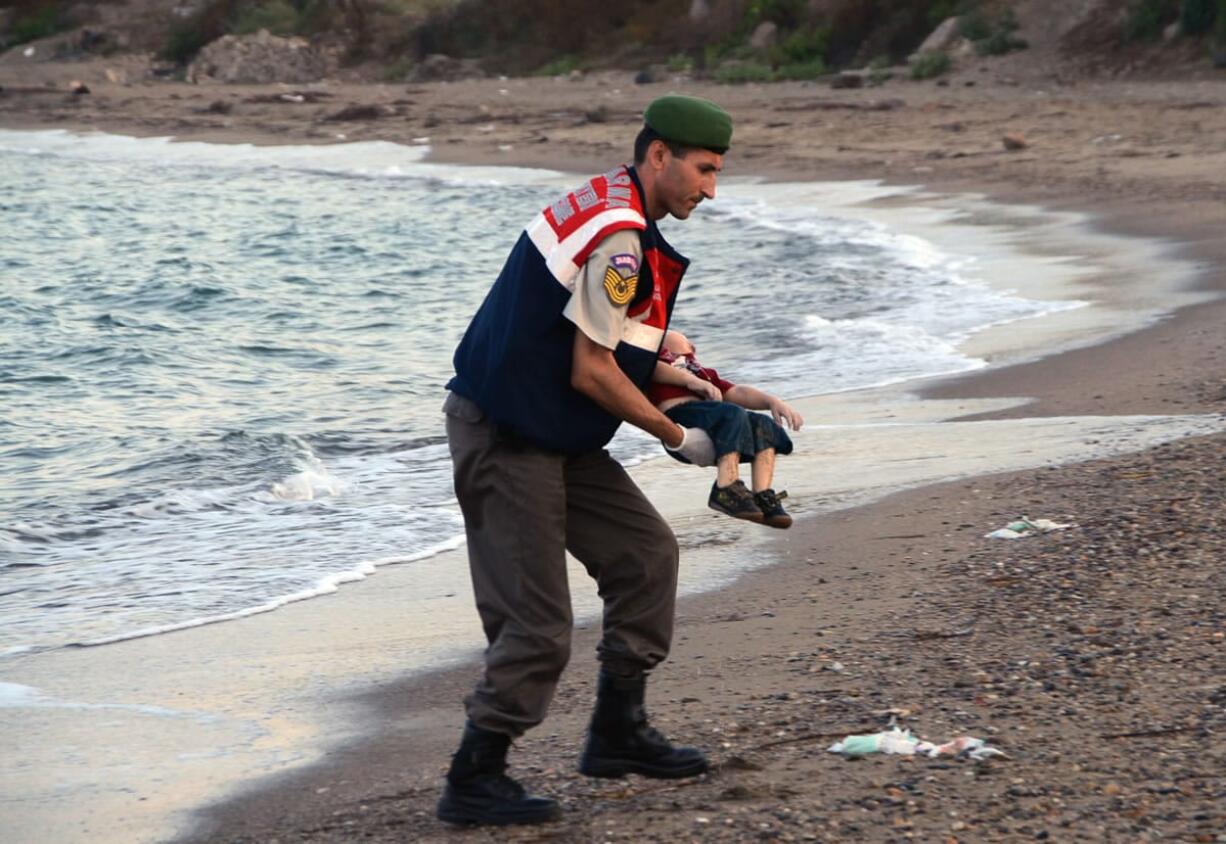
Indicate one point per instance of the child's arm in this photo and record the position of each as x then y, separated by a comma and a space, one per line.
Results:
678, 377
752, 398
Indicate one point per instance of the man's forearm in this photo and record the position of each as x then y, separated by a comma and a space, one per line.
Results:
595, 374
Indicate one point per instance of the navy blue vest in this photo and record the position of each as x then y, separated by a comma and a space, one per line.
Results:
514, 361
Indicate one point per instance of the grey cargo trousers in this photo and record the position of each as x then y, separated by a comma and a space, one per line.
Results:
523, 509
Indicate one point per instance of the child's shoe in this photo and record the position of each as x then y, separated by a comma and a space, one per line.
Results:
735, 500
773, 513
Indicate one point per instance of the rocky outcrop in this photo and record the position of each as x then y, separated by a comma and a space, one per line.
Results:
259, 59
765, 36
941, 38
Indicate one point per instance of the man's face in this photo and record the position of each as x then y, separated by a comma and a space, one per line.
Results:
686, 181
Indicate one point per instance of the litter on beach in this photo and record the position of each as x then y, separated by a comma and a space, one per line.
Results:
902, 743
1024, 527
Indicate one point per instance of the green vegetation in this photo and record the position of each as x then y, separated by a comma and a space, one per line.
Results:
929, 64
279, 17
737, 72
398, 70
679, 63
878, 71
211, 21
975, 25
786, 14
38, 22
184, 43
560, 66
991, 35
802, 46
1219, 28
800, 54
1196, 16
811, 69
1147, 18
939, 10
1001, 39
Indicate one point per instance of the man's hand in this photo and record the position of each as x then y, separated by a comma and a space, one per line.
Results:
695, 447
705, 389
781, 411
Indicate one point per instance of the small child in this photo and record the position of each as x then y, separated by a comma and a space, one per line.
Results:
696, 397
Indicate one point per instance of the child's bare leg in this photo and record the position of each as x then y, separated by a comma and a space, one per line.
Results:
763, 469
726, 468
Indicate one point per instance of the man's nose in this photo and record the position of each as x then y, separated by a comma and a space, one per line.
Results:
708, 187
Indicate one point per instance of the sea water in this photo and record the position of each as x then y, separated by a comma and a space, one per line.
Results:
221, 366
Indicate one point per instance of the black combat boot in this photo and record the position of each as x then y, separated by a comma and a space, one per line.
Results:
620, 741
478, 791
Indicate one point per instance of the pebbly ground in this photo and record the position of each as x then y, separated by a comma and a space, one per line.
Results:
1095, 657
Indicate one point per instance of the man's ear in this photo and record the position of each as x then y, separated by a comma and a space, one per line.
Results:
657, 152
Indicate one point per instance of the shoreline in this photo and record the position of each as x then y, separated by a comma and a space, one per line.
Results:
1142, 358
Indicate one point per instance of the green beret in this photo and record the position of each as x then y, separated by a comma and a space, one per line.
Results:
690, 121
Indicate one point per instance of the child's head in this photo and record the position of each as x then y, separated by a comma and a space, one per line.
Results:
678, 343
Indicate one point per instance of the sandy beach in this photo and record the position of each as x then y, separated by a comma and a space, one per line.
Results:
1092, 656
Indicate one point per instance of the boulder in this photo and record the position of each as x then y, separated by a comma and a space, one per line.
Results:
258, 60
650, 75
358, 112
765, 36
437, 67
848, 79
1014, 141
941, 38
599, 114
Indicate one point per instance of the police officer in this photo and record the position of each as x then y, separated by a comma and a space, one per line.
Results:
555, 359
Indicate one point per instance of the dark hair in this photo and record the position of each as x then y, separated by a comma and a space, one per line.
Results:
647, 135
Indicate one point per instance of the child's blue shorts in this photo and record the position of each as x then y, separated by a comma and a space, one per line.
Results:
732, 428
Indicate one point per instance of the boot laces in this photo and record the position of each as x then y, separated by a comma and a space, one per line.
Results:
652, 735
506, 787
647, 732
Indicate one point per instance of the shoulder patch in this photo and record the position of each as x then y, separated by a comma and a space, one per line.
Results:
625, 261
621, 278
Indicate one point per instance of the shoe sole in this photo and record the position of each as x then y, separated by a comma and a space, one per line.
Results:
616, 768
781, 523
745, 517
